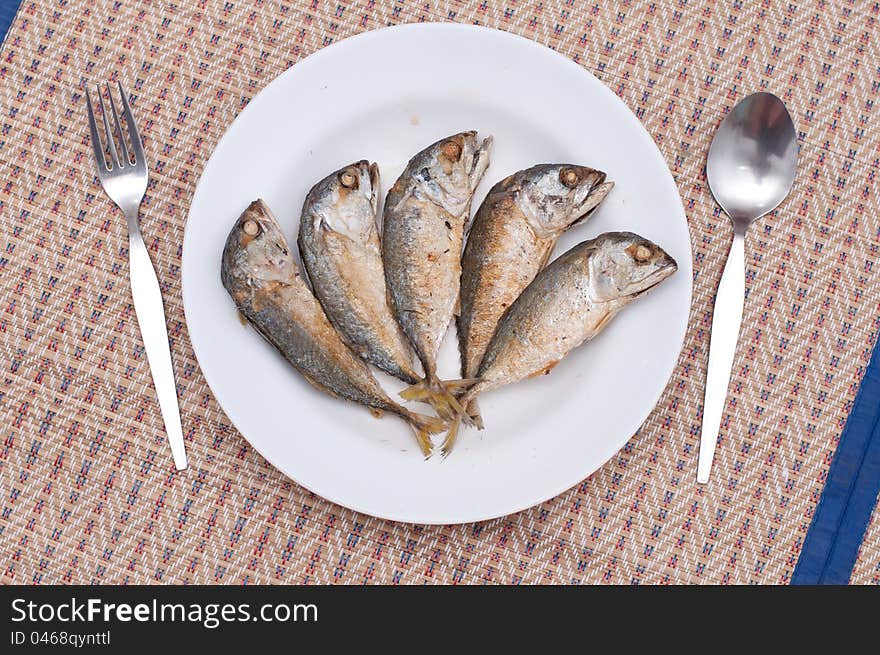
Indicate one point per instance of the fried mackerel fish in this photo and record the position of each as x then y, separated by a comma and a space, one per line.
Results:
261, 276
339, 245
510, 240
423, 229
567, 304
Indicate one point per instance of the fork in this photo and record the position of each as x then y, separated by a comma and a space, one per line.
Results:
125, 181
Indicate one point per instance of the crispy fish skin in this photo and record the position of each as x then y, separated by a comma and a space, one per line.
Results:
567, 304
510, 240
423, 229
339, 245
259, 273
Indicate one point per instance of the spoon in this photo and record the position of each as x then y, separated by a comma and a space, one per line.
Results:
750, 169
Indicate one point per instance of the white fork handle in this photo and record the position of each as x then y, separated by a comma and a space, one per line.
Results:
726, 321
150, 313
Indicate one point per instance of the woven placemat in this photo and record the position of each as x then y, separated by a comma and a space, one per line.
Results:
87, 489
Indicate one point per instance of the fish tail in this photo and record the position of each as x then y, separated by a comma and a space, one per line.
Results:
468, 399
472, 413
454, 402
451, 435
415, 391
473, 410
423, 427
441, 395
471, 407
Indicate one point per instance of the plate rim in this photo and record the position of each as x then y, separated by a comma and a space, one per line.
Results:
265, 92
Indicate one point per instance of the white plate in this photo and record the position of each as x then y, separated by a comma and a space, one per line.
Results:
384, 95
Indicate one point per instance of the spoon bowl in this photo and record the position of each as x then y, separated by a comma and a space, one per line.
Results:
753, 158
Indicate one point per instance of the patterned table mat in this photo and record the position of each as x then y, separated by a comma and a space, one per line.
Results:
87, 489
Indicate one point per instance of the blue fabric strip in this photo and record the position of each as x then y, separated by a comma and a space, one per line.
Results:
8, 8
850, 494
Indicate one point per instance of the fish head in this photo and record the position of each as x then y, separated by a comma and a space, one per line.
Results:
553, 197
346, 201
625, 265
449, 171
256, 253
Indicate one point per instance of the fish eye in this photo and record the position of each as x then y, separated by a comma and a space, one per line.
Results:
251, 227
569, 177
641, 253
451, 150
348, 179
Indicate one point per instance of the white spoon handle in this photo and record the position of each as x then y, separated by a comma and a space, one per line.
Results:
726, 321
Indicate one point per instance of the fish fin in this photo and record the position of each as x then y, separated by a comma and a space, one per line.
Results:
467, 400
415, 391
451, 436
464, 384
320, 387
423, 426
471, 415
441, 395
473, 410
544, 260
266, 295
305, 270
545, 370
323, 224
377, 413
603, 322
423, 389
344, 240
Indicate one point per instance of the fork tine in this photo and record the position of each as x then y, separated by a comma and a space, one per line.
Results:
137, 145
125, 160
108, 131
97, 146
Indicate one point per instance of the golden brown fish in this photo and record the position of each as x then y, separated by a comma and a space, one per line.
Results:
424, 220
510, 240
568, 303
261, 276
339, 245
